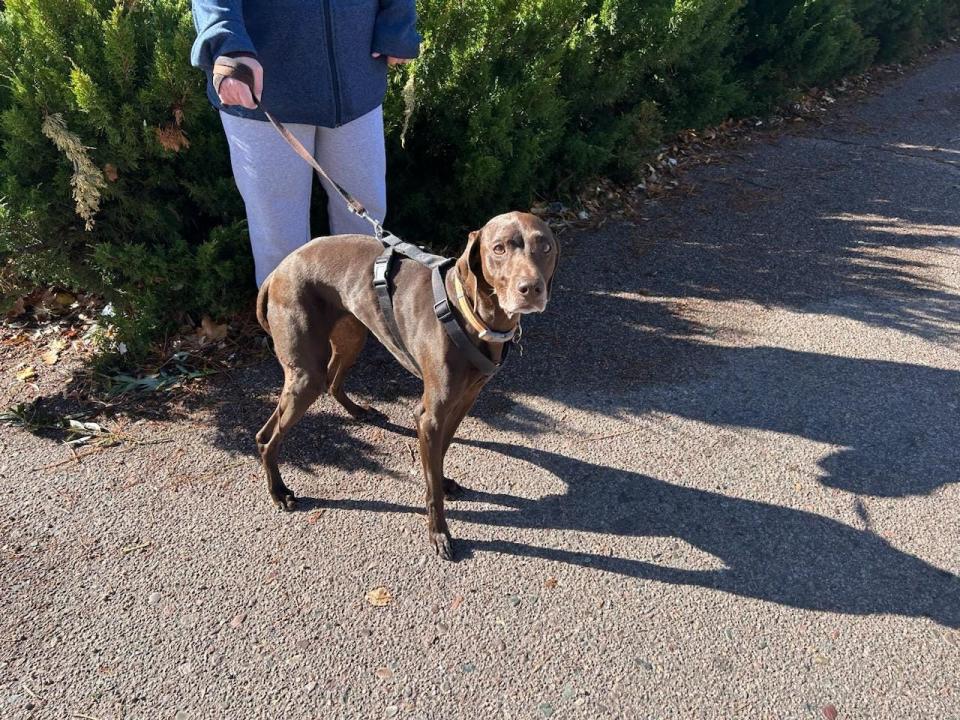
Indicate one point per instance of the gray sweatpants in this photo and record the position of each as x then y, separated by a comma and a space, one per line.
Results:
275, 182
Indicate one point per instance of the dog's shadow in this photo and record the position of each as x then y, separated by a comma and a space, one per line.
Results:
769, 552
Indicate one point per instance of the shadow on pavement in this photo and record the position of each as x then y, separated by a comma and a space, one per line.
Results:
769, 552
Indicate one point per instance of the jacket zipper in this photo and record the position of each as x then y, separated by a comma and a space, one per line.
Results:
328, 16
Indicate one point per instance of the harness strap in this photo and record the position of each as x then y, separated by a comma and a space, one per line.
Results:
447, 318
381, 285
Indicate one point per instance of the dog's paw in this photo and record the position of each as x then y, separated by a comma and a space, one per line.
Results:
451, 489
286, 502
443, 544
359, 410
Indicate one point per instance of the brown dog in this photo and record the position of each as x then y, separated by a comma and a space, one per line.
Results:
319, 303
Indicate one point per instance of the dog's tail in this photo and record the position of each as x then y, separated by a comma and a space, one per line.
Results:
263, 298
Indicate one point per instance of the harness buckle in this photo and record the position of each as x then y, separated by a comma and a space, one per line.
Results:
442, 310
381, 267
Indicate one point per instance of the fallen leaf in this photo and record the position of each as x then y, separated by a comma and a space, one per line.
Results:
18, 308
86, 426
379, 596
315, 516
457, 602
210, 330
829, 712
26, 374
50, 357
550, 582
138, 546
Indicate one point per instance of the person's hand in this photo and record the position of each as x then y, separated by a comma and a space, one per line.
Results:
237, 92
391, 60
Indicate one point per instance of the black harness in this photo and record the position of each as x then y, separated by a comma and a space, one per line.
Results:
382, 270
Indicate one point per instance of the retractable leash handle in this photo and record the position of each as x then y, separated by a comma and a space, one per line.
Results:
228, 67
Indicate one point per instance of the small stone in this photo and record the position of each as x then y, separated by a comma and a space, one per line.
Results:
546, 709
154, 598
514, 600
238, 620
186, 669
829, 712
302, 643
583, 215
392, 710
181, 715
569, 692
468, 667
445, 686
644, 664
384, 673
310, 686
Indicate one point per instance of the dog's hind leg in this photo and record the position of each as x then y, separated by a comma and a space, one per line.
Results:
304, 362
300, 389
347, 338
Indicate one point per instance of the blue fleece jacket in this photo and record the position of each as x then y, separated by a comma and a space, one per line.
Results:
316, 54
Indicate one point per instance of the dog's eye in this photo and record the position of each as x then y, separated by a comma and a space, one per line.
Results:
499, 249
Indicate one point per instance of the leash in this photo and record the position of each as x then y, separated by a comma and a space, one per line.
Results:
231, 67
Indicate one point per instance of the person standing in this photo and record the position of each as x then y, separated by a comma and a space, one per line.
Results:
320, 67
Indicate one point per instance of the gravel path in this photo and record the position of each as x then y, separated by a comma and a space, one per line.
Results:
721, 482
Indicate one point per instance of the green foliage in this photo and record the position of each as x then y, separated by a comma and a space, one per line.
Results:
785, 44
115, 177
100, 108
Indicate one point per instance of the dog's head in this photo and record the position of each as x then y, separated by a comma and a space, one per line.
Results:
514, 258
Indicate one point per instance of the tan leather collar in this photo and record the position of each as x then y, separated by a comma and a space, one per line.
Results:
474, 321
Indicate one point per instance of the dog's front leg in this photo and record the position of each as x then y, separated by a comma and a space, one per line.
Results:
430, 417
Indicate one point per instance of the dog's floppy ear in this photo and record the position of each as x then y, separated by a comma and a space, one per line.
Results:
469, 264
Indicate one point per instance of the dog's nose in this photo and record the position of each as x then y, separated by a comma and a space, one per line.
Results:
526, 287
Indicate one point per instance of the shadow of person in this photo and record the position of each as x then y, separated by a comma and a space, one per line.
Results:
769, 552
